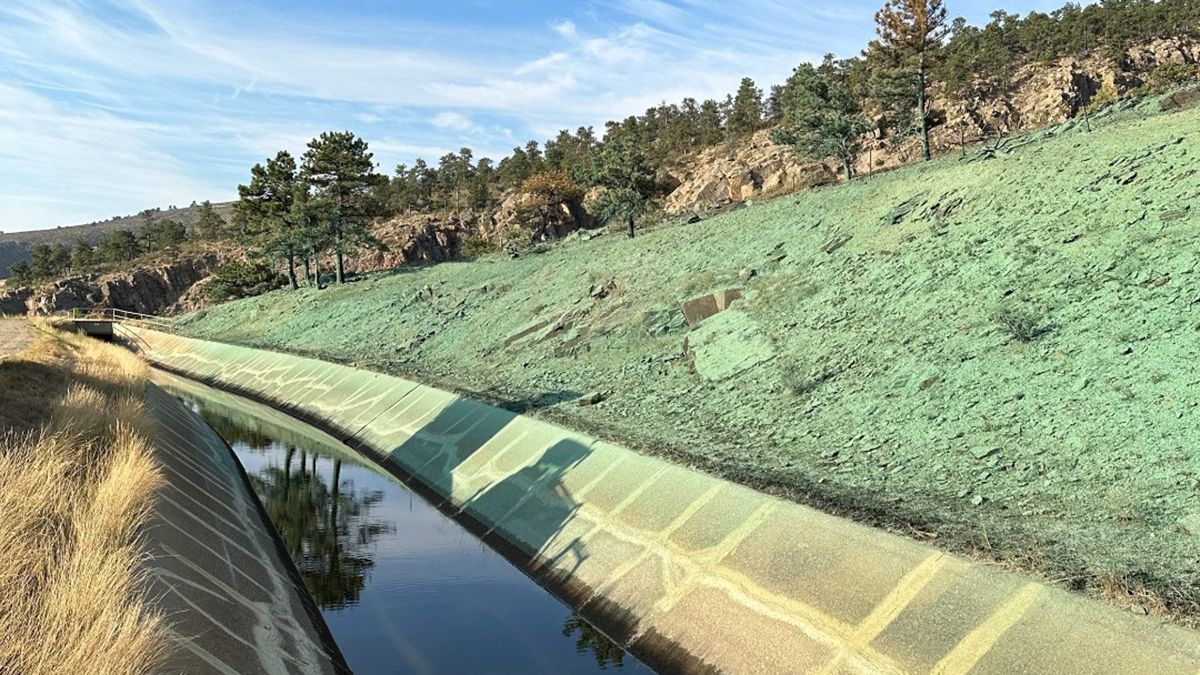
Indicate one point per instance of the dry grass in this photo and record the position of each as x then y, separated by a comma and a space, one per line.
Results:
76, 483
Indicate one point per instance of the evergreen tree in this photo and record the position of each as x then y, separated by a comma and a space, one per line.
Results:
41, 263
210, 226
745, 112
265, 210
119, 248
83, 258
546, 193
628, 183
20, 274
710, 127
823, 119
482, 177
341, 171
164, 235
61, 259
910, 34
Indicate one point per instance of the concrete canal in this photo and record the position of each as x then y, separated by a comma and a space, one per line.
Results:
402, 587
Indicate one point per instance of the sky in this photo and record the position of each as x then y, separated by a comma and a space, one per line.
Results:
108, 107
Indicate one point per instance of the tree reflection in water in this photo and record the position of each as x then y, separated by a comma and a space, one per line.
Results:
326, 528
326, 524
607, 652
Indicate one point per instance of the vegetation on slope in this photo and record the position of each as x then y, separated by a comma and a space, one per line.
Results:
112, 245
289, 214
76, 479
994, 353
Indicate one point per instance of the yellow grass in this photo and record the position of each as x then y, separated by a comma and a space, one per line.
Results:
77, 478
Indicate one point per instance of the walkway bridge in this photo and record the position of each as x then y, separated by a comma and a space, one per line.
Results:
100, 324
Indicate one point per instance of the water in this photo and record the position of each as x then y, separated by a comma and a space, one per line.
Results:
403, 588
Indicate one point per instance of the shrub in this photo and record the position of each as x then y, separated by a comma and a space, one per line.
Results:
1103, 98
475, 247
1170, 74
1022, 325
238, 279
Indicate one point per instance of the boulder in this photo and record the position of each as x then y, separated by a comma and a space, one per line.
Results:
698, 309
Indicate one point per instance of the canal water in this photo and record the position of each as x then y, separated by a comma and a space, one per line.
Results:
403, 588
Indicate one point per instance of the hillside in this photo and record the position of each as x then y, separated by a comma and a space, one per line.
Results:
16, 246
994, 353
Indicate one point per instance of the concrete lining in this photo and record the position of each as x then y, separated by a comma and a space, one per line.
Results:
216, 568
689, 572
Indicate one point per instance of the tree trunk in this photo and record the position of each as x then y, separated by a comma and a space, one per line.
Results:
307, 272
630, 221
921, 112
341, 270
846, 166
291, 259
316, 257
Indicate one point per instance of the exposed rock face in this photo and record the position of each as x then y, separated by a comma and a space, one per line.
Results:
415, 238
1037, 95
149, 290
737, 172
13, 302
438, 237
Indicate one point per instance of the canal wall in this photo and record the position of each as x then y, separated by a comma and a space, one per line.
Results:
215, 567
689, 572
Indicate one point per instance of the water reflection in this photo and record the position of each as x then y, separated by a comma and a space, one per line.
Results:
403, 588
328, 530
592, 641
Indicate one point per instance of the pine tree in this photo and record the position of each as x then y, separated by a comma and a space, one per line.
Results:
265, 210
41, 262
745, 113
910, 34
19, 274
209, 225
83, 258
119, 248
341, 171
628, 183
823, 119
61, 259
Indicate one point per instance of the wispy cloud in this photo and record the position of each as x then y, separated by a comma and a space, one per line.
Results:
110, 106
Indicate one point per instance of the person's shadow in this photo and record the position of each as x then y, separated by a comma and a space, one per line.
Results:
527, 508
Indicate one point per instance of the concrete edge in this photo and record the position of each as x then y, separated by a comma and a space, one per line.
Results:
691, 573
217, 567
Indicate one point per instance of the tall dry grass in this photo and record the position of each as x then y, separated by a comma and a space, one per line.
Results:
74, 491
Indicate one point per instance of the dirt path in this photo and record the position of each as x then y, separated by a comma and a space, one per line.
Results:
14, 335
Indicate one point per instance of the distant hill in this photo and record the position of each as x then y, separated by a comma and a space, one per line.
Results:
19, 245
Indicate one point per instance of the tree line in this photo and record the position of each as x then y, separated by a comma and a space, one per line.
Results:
119, 249
320, 207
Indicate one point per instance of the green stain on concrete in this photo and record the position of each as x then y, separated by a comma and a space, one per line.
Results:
689, 568
886, 319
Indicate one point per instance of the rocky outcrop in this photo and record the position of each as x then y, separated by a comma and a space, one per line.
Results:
149, 290
416, 238
1037, 95
13, 302
740, 171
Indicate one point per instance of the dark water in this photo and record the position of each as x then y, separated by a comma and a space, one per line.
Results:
403, 588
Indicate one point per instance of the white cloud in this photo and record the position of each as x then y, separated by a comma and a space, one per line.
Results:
454, 121
115, 105
566, 29
63, 167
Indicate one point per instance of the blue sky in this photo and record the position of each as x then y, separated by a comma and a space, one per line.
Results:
111, 106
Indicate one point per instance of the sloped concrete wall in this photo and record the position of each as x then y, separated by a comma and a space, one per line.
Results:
216, 569
692, 573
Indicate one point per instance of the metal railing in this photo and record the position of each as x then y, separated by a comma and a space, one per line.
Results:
149, 320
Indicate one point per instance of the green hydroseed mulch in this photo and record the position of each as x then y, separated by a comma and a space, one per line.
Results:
997, 354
